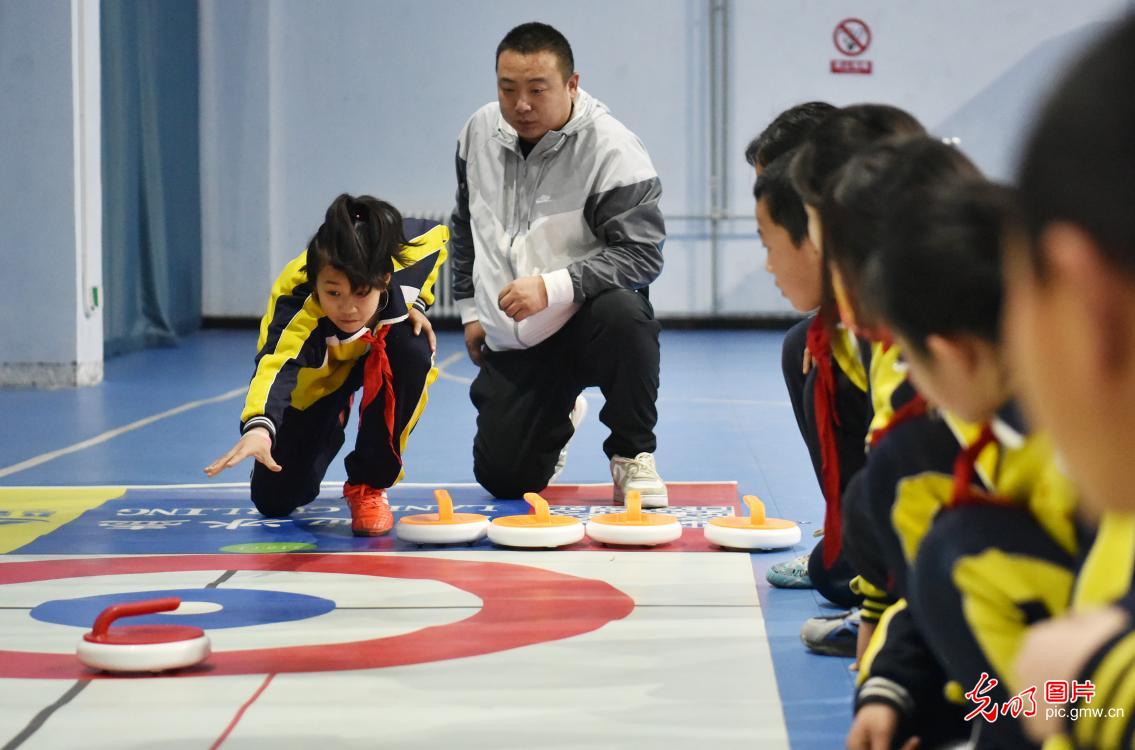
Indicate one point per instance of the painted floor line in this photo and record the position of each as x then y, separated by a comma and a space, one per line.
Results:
327, 483
452, 358
240, 713
444, 375
41, 718
111, 434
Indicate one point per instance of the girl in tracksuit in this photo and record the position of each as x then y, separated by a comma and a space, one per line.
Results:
346, 314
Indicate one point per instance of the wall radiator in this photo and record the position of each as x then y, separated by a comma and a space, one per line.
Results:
443, 307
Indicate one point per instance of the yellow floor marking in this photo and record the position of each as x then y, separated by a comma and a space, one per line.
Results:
27, 513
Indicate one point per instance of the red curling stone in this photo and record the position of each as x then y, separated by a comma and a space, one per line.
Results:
142, 648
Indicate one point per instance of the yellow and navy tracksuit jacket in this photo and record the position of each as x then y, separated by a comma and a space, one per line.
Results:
1015, 466
1010, 467
302, 357
888, 385
1106, 578
848, 357
893, 402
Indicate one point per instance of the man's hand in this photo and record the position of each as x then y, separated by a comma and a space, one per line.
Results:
419, 322
523, 298
474, 340
874, 729
256, 443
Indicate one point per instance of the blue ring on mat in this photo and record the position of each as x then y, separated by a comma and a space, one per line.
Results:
240, 608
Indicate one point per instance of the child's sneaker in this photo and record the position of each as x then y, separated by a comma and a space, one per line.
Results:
370, 510
578, 412
792, 574
639, 473
832, 635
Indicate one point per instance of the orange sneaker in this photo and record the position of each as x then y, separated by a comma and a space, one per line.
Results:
370, 510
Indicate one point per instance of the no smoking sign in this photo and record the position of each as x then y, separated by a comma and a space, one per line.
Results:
851, 37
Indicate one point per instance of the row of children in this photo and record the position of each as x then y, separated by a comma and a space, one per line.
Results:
964, 389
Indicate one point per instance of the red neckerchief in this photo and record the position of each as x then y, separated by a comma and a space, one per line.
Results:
912, 409
377, 375
819, 344
965, 493
878, 334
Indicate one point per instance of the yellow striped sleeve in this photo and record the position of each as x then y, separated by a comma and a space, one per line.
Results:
845, 352
299, 343
875, 600
423, 246
878, 639
1106, 574
1114, 682
994, 586
886, 376
863, 587
293, 275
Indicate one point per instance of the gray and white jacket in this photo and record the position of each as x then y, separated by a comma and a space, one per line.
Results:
581, 211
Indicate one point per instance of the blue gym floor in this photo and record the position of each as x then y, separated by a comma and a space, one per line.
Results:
163, 414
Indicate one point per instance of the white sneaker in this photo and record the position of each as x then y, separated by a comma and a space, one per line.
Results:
639, 473
578, 412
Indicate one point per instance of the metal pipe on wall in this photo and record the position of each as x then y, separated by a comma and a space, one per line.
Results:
718, 138
89, 250
713, 183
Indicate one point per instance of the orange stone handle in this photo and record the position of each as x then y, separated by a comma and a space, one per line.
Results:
540, 505
444, 506
756, 510
633, 503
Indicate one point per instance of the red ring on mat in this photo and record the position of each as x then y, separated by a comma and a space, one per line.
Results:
521, 606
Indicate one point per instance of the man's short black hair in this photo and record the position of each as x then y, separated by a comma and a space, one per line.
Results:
532, 37
786, 132
784, 205
1079, 164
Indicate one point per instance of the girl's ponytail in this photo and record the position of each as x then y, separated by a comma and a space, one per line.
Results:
361, 237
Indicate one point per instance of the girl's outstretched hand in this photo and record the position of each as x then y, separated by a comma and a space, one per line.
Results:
256, 443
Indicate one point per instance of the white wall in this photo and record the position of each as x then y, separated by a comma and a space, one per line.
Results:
967, 68
236, 134
50, 199
302, 101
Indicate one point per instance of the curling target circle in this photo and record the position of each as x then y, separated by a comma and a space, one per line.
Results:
521, 606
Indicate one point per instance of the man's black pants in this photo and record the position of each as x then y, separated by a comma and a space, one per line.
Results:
523, 397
